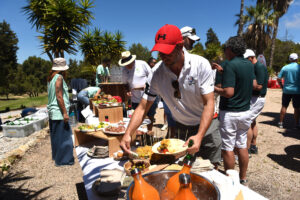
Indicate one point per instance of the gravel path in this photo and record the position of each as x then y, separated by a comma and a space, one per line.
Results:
274, 172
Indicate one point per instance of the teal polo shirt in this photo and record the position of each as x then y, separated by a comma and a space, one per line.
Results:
239, 74
291, 75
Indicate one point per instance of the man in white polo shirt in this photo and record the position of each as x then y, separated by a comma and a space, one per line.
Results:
185, 82
136, 73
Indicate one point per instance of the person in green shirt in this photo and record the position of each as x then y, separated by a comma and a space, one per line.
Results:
258, 98
237, 82
86, 93
102, 72
58, 109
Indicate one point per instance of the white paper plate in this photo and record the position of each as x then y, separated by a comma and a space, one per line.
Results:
114, 133
90, 130
178, 143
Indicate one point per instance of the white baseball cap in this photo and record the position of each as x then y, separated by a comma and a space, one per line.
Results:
190, 33
293, 57
249, 53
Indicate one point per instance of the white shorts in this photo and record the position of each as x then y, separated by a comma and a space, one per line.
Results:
233, 129
256, 106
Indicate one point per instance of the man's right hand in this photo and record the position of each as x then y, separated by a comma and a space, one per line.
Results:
125, 143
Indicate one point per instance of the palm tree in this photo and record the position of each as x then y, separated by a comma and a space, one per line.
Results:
260, 20
87, 47
97, 45
241, 21
119, 46
281, 7
60, 22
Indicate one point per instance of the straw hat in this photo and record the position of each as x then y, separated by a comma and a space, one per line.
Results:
59, 64
127, 58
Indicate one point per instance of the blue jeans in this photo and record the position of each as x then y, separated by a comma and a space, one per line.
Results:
83, 97
61, 142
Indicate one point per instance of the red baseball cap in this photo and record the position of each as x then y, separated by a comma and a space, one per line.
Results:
166, 39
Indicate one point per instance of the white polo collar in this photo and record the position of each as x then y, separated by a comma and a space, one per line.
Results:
186, 65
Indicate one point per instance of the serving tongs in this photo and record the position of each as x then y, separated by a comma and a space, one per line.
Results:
132, 155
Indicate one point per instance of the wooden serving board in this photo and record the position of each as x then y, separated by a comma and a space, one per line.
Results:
157, 168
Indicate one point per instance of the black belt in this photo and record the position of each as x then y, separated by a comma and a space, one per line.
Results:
259, 95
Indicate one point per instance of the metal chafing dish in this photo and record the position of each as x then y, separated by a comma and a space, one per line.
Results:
201, 187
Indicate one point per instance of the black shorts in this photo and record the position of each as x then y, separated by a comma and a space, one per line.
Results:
286, 99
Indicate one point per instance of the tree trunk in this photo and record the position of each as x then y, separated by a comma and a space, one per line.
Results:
50, 56
241, 24
62, 54
273, 42
56, 54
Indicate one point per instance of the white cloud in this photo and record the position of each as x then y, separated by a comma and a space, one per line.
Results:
295, 3
294, 22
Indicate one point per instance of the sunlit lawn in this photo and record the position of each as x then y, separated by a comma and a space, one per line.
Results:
18, 102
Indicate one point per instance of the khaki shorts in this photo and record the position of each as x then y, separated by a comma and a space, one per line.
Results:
211, 143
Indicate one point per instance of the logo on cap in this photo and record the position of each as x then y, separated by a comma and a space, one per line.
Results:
161, 36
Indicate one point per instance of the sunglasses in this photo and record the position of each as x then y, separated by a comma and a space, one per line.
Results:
175, 85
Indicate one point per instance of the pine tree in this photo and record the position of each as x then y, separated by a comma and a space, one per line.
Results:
212, 38
8, 57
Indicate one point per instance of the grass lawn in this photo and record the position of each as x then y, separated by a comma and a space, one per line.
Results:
16, 102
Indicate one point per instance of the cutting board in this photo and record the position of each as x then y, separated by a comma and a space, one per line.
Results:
157, 168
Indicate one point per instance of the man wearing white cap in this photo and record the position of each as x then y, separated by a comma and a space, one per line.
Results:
258, 98
291, 88
136, 73
189, 37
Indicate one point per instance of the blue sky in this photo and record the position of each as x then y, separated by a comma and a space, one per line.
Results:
139, 20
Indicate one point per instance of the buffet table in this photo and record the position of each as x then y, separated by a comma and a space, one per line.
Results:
115, 89
91, 171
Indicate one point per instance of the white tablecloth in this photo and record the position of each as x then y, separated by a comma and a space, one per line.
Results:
91, 171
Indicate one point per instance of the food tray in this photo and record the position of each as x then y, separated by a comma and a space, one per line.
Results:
17, 130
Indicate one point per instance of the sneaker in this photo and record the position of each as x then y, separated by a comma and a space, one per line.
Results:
253, 149
244, 182
280, 124
164, 127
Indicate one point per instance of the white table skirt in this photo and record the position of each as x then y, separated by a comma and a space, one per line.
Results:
91, 171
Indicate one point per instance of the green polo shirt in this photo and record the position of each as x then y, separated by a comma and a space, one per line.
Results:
239, 74
261, 74
218, 74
